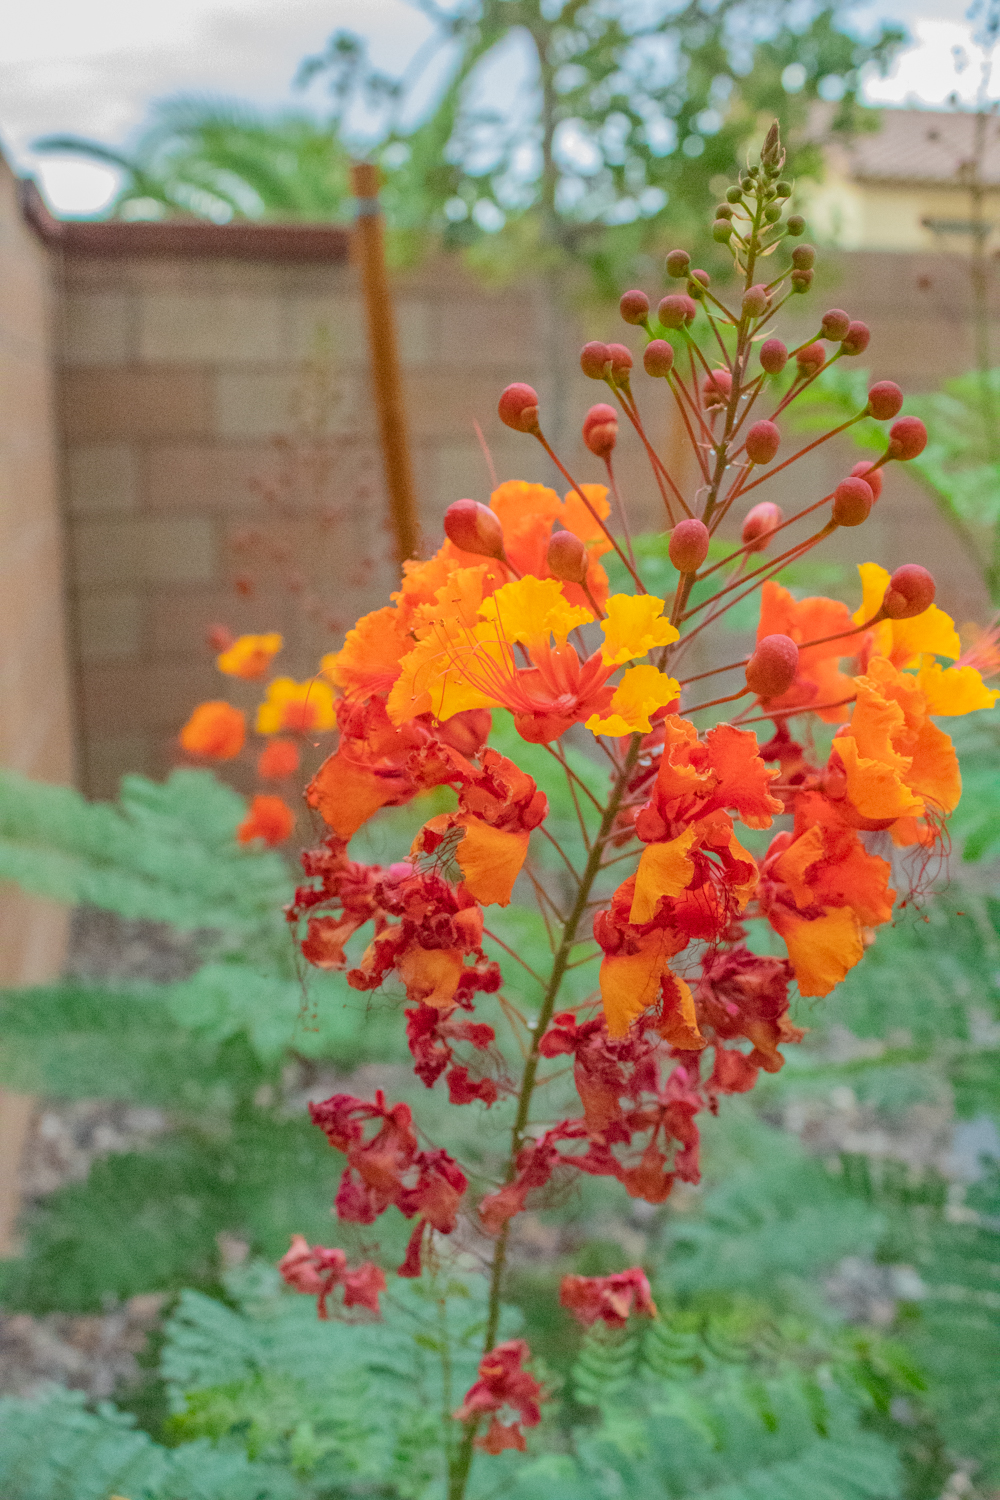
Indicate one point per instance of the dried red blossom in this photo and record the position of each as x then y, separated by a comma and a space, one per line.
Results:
316, 1271
503, 1382
610, 1299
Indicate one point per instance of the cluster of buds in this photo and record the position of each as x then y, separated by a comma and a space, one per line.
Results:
515, 614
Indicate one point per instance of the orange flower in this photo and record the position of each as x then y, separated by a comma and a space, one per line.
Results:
269, 819
465, 659
216, 730
250, 656
303, 707
819, 889
896, 763
528, 513
277, 760
819, 678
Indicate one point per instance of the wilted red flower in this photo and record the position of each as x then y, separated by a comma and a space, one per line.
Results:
503, 1383
608, 1298
316, 1271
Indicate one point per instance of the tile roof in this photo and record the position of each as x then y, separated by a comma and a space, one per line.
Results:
923, 145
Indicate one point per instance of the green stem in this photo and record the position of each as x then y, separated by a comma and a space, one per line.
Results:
460, 1469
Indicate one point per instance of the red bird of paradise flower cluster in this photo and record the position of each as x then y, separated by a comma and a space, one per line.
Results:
531, 625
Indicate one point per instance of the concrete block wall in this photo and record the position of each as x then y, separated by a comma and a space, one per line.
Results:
186, 380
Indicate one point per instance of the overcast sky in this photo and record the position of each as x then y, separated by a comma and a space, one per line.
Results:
91, 67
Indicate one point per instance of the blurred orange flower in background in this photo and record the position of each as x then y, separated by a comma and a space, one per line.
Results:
269, 819
216, 730
250, 656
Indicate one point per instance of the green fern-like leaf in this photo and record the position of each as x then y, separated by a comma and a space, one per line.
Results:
55, 1449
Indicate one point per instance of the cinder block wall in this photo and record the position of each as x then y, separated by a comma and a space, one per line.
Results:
182, 375
35, 691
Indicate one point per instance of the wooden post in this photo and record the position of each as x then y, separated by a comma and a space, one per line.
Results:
383, 346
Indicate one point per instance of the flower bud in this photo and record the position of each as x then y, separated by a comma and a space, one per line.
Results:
782, 189
600, 429
734, 194
855, 340
621, 363
567, 557
773, 356
697, 282
676, 310
795, 224
907, 438
723, 211
771, 669
772, 213
716, 389
658, 357
759, 523
852, 501
474, 528
884, 400
801, 281
804, 257
722, 231
595, 358
911, 590
834, 324
763, 441
689, 545
871, 476
634, 307
518, 407
678, 262
755, 300
811, 359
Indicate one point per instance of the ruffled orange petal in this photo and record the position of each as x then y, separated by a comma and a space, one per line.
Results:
431, 975
368, 662
679, 1023
664, 870
346, 794
822, 951
490, 859
630, 982
743, 777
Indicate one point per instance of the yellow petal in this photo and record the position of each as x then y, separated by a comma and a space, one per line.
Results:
932, 632
490, 859
640, 692
824, 950
532, 609
634, 625
452, 669
664, 870
952, 691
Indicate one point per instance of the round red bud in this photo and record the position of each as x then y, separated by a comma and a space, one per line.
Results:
600, 429
594, 360
755, 300
911, 590
907, 438
801, 280
474, 528
771, 669
871, 476
689, 545
803, 257
759, 523
716, 389
567, 557
834, 324
676, 310
855, 340
810, 359
763, 442
884, 400
621, 362
852, 502
658, 357
518, 407
634, 307
701, 276
678, 262
773, 356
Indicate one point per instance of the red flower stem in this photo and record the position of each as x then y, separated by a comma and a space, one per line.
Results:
752, 391
765, 536
631, 410
571, 773
676, 384
787, 713
560, 851
621, 508
598, 611
462, 1461
501, 944
725, 352
790, 395
803, 547
775, 562
807, 449
823, 640
576, 804
714, 702
570, 480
